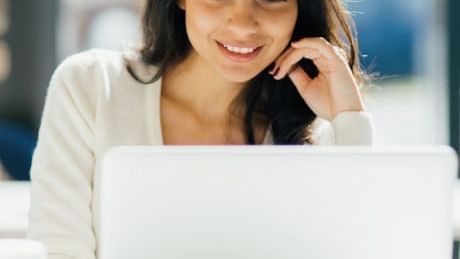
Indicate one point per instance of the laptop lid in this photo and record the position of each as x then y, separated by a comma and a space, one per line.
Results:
264, 202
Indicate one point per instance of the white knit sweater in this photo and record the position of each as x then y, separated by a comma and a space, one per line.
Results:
93, 104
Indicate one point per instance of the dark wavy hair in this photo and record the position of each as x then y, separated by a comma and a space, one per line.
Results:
166, 44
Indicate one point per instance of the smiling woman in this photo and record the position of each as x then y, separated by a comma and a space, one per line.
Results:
194, 37
212, 72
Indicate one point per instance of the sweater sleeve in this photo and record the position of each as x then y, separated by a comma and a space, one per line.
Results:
347, 128
63, 163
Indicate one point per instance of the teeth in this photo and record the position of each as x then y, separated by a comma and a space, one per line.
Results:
239, 50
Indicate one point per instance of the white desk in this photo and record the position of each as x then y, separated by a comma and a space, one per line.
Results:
14, 208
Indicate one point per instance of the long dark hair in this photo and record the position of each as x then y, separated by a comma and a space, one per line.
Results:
166, 44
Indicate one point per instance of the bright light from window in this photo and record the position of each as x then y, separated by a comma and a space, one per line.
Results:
111, 27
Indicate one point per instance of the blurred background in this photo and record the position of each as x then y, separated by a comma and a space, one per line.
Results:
410, 47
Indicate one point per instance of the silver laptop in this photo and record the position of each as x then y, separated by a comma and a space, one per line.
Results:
278, 202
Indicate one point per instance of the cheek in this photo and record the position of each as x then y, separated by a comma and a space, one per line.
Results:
280, 32
280, 27
200, 23
283, 28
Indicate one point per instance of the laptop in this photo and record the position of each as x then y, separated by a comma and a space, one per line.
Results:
276, 202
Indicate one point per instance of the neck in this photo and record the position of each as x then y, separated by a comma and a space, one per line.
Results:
196, 85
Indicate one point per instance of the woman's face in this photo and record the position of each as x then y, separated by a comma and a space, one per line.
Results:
239, 38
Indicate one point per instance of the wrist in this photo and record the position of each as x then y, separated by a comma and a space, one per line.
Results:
357, 108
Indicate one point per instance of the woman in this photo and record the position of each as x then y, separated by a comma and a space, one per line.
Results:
209, 72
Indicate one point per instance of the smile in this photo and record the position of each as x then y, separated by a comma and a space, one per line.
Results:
239, 54
240, 50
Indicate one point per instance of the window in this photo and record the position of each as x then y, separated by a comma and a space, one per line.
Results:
85, 25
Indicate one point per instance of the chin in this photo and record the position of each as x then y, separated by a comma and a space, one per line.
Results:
239, 77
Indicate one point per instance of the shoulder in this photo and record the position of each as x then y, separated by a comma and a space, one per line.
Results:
112, 63
81, 79
99, 72
89, 64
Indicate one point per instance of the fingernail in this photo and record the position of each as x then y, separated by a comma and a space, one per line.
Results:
275, 73
273, 66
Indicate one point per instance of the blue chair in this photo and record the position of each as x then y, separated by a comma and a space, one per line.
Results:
16, 148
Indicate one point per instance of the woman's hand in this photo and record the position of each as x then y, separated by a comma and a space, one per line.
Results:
334, 90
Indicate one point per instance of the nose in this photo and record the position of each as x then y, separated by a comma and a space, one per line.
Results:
242, 19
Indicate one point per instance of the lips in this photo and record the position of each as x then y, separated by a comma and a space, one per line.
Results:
240, 57
240, 45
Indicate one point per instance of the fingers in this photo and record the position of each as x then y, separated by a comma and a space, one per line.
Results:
280, 60
291, 60
325, 56
321, 44
331, 52
341, 53
300, 79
